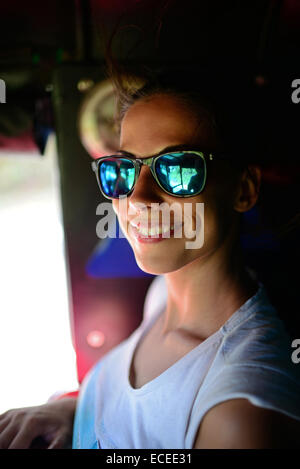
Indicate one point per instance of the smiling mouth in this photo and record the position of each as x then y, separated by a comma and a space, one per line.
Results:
156, 232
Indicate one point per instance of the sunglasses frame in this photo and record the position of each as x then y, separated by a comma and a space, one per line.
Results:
150, 162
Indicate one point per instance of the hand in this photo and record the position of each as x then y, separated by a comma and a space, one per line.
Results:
51, 424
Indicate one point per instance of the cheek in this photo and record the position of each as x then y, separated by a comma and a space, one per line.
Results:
217, 218
121, 211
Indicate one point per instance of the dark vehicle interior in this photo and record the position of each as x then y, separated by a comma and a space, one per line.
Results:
53, 65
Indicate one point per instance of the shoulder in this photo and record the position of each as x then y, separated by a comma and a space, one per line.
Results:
238, 424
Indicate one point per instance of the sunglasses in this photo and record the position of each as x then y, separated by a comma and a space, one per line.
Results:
178, 173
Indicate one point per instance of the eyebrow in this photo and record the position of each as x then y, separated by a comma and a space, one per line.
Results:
182, 146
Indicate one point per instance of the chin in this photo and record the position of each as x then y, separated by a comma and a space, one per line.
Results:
160, 266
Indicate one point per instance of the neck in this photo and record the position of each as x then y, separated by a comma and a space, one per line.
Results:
206, 292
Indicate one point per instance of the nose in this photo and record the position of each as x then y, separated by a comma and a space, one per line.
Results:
146, 191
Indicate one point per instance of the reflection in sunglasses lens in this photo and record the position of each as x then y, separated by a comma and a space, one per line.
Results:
181, 173
116, 176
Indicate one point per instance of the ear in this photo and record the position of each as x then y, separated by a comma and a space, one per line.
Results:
248, 188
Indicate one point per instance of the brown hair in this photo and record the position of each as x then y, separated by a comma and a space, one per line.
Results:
236, 107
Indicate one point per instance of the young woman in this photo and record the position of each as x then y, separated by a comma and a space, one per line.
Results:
209, 366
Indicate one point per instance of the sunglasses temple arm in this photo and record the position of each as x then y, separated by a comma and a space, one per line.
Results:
94, 165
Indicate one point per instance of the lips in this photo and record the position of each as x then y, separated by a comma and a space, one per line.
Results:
142, 238
154, 230
154, 233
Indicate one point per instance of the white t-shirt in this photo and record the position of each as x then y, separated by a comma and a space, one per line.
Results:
248, 357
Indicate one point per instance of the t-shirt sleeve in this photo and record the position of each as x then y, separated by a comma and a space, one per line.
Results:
261, 385
84, 436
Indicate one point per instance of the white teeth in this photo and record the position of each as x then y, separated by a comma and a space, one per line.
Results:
154, 231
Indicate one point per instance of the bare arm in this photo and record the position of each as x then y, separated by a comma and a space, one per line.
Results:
237, 424
51, 422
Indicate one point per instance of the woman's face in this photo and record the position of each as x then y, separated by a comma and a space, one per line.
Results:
148, 127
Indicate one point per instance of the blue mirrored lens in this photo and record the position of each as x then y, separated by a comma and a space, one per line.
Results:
116, 176
181, 173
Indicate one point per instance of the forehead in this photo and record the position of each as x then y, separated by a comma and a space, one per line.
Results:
154, 123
